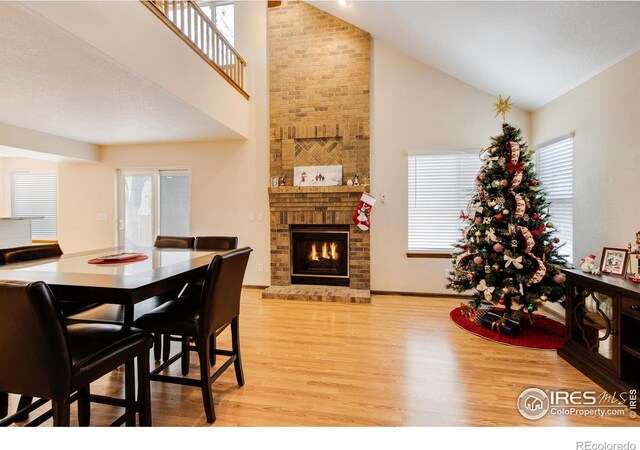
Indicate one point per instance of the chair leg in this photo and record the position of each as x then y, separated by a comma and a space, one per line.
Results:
84, 407
157, 346
235, 345
205, 383
212, 350
61, 412
185, 355
23, 403
144, 390
4, 404
166, 347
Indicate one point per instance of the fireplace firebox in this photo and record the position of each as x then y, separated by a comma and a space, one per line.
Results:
320, 255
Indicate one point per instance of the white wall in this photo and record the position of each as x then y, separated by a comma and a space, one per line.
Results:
229, 179
416, 108
603, 112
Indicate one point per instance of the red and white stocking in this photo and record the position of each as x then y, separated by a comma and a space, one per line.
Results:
362, 215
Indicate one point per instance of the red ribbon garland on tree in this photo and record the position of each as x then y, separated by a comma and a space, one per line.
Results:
521, 205
541, 271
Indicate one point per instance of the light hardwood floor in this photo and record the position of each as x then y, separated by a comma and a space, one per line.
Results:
399, 361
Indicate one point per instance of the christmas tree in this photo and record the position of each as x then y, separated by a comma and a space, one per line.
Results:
508, 253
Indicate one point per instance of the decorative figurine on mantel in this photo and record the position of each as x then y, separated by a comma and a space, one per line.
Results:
282, 181
588, 264
356, 182
634, 249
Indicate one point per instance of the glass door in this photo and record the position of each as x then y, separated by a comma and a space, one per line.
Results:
153, 202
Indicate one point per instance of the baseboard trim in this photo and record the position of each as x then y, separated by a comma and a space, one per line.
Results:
553, 313
254, 286
421, 294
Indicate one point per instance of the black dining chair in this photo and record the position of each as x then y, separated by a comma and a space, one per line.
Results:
174, 242
43, 357
199, 319
219, 243
33, 252
180, 242
216, 242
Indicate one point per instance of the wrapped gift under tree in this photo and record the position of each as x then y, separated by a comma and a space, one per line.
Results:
501, 323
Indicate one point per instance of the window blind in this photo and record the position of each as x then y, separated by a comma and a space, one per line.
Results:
439, 187
36, 194
555, 171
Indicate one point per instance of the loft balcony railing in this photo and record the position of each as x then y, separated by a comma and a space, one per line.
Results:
188, 21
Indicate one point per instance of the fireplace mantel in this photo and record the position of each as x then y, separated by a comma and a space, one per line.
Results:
313, 189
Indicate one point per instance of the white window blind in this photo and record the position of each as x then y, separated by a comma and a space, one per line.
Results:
439, 187
555, 170
36, 194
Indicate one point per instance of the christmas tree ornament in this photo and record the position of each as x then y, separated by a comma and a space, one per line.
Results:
478, 220
559, 278
550, 246
550, 224
499, 216
543, 198
488, 187
492, 203
501, 301
495, 183
544, 298
498, 247
533, 182
486, 290
505, 290
495, 267
535, 216
514, 243
531, 308
486, 220
505, 212
487, 269
482, 176
470, 276
478, 260
477, 233
503, 183
502, 107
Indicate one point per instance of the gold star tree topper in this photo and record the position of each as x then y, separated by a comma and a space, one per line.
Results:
502, 107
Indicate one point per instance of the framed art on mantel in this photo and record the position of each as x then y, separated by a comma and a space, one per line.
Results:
614, 261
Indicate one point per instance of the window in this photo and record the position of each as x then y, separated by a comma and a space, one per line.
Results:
151, 203
439, 187
36, 195
221, 14
555, 170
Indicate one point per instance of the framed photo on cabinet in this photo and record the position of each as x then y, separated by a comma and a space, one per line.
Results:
614, 261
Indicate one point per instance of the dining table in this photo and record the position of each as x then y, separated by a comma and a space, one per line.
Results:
73, 277
97, 276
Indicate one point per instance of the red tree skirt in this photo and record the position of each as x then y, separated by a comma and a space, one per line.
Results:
544, 333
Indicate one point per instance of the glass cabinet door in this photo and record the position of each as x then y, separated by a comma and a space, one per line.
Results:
594, 323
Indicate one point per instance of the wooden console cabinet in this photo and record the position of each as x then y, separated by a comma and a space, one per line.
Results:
603, 329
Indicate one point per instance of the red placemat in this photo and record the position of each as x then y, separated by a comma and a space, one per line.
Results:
117, 261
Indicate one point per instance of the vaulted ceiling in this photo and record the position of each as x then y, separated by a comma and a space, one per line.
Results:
534, 51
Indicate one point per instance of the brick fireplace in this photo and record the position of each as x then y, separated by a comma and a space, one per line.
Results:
319, 116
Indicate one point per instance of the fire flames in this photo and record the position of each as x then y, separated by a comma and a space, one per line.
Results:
328, 251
